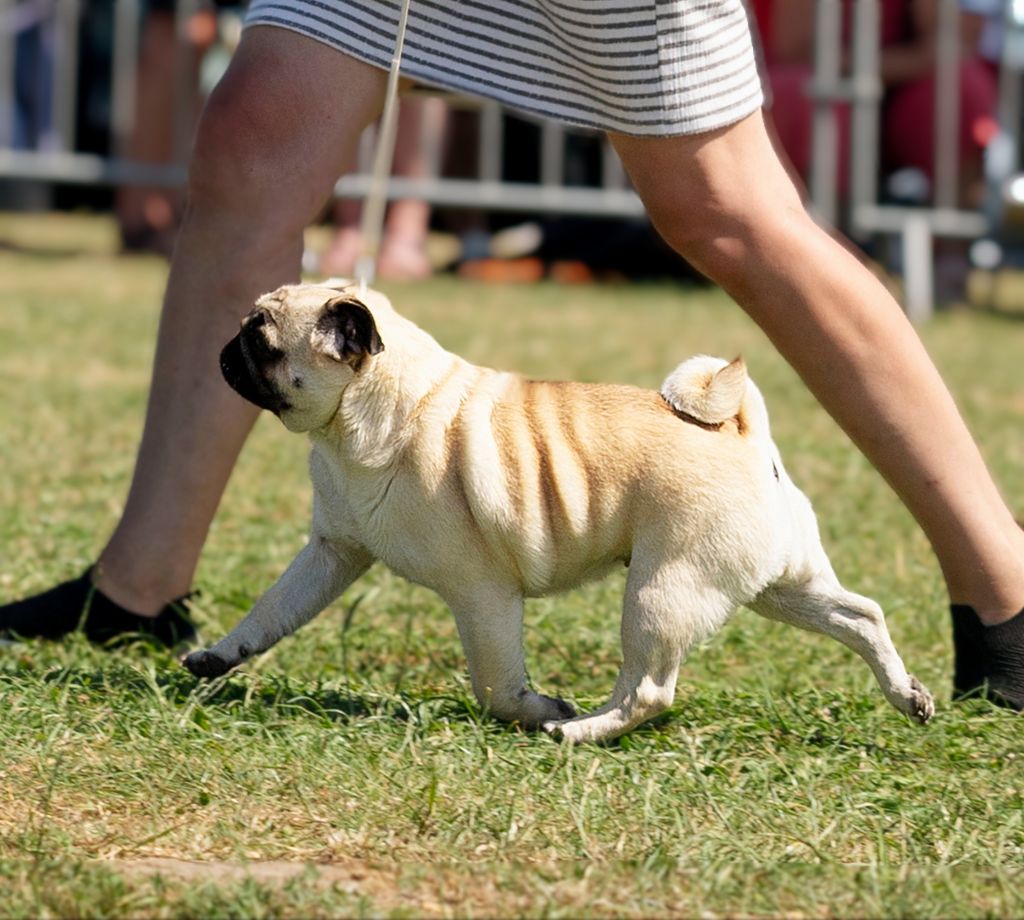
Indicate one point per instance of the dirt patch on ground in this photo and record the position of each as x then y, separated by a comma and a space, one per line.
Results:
429, 891
276, 871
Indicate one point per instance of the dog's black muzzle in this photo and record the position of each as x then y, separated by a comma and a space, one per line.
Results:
244, 361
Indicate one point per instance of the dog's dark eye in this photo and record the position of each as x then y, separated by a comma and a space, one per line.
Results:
297, 383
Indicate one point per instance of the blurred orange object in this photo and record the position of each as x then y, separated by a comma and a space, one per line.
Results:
503, 271
570, 272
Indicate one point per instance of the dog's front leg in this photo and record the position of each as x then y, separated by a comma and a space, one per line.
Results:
317, 575
490, 625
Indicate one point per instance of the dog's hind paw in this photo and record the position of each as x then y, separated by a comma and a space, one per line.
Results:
582, 730
921, 704
207, 664
554, 729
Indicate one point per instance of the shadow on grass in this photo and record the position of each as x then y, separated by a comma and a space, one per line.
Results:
728, 719
264, 697
277, 700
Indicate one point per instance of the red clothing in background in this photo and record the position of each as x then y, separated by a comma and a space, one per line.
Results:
908, 116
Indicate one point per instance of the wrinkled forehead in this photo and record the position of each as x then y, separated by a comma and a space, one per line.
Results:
298, 299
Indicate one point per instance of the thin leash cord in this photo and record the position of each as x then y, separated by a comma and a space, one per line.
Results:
372, 223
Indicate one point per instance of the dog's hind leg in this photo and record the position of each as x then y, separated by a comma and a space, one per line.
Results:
316, 576
666, 609
490, 624
822, 605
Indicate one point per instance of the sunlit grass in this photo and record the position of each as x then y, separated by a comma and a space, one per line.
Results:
779, 782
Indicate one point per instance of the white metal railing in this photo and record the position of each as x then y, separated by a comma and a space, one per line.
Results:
916, 227
60, 160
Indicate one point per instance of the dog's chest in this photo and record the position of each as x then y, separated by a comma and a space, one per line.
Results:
385, 514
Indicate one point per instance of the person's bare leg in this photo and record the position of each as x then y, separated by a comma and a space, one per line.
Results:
274, 137
724, 201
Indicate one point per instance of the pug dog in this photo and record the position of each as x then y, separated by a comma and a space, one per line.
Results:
490, 488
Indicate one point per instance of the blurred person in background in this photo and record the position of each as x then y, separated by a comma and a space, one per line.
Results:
148, 217
403, 248
909, 30
31, 24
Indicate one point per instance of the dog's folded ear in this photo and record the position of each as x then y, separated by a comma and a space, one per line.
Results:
346, 331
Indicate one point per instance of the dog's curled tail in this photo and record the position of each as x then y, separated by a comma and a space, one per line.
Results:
711, 390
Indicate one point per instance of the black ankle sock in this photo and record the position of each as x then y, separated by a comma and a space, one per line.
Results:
988, 660
78, 603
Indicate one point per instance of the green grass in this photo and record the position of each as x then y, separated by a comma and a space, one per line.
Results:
348, 772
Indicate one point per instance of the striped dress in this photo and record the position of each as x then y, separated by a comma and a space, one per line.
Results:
641, 67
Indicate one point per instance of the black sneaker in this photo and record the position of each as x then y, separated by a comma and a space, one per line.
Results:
988, 660
79, 604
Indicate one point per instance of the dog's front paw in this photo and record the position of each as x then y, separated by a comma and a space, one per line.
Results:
207, 664
921, 704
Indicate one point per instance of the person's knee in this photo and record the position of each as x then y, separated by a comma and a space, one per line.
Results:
720, 199
257, 154
725, 237
708, 236
234, 161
